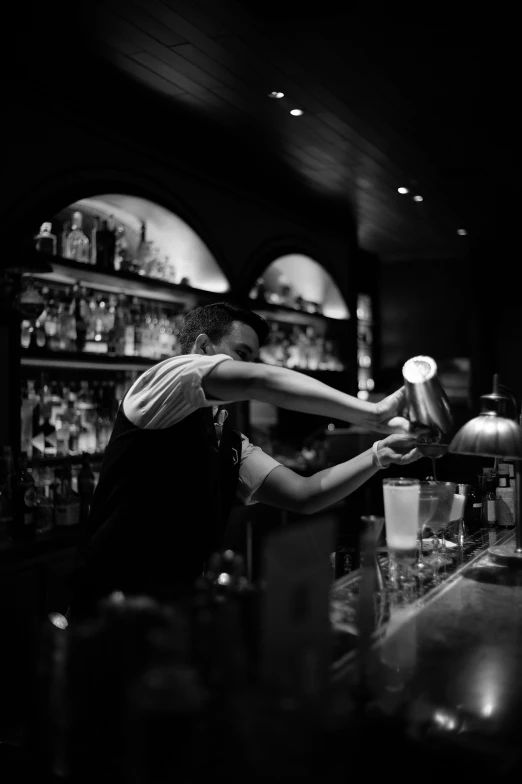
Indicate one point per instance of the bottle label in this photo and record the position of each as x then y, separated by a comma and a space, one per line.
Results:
28, 518
491, 512
479, 505
505, 509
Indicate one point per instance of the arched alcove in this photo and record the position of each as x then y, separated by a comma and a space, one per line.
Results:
167, 232
307, 280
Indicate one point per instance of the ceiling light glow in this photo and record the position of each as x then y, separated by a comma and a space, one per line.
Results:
276, 94
418, 198
462, 232
296, 112
403, 190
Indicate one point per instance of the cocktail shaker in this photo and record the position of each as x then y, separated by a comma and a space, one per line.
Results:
427, 403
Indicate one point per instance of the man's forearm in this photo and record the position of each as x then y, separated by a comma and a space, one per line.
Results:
330, 485
299, 392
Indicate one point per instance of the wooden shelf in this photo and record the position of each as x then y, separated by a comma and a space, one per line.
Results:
72, 360
272, 312
68, 272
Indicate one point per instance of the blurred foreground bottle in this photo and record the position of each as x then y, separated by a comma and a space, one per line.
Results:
6, 491
44, 241
24, 499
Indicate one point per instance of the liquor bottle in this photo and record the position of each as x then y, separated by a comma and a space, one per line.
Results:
94, 239
85, 488
80, 314
143, 252
472, 508
47, 429
44, 241
170, 269
128, 340
98, 325
77, 243
117, 333
66, 227
489, 504
51, 322
72, 418
24, 497
122, 258
86, 408
30, 417
105, 246
505, 502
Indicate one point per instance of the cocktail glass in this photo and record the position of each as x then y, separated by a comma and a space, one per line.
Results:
444, 493
401, 520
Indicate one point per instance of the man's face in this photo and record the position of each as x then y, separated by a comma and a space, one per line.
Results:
240, 343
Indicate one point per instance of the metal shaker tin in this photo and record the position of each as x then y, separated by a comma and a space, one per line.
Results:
427, 402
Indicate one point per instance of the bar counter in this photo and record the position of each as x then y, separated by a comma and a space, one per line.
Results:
444, 660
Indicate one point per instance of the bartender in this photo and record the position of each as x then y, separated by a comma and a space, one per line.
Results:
173, 467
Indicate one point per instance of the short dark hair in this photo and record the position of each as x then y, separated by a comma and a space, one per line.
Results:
215, 320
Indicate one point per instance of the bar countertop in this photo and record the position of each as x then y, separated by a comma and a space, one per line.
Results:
449, 661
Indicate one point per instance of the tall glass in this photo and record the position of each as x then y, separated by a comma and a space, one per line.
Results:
428, 500
401, 519
439, 519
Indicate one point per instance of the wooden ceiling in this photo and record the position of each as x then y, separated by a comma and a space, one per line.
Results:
387, 102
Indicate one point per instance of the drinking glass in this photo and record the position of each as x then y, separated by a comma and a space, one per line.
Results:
457, 516
440, 517
428, 499
401, 520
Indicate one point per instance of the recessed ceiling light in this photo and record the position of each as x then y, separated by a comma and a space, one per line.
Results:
418, 198
403, 190
462, 232
276, 94
296, 112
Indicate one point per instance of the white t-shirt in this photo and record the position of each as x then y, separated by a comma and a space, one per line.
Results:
171, 390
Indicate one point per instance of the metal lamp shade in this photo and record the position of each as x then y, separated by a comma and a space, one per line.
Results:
489, 435
492, 434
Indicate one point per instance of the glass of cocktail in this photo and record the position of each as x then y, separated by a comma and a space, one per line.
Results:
401, 520
440, 516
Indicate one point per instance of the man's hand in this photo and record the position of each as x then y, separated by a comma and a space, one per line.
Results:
390, 416
397, 448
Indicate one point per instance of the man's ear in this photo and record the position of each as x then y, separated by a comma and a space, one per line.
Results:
203, 345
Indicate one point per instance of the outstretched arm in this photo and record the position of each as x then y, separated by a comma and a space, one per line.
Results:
285, 489
233, 381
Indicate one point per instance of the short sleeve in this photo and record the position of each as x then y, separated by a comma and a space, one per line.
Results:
170, 391
253, 470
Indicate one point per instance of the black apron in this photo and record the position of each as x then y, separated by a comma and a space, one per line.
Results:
159, 510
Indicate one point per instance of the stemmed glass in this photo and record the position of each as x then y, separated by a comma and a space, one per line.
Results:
444, 493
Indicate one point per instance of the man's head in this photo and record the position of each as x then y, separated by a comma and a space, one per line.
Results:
221, 328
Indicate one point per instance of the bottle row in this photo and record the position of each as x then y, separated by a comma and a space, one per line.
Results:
106, 244
491, 500
37, 499
60, 418
81, 319
283, 293
300, 348
495, 495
